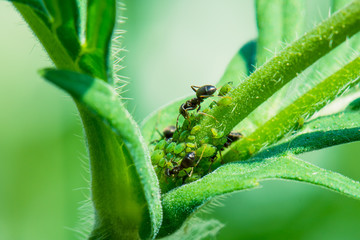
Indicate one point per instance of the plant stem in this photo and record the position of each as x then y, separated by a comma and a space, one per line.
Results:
303, 107
282, 68
269, 16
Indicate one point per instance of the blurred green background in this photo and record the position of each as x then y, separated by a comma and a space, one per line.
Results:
171, 45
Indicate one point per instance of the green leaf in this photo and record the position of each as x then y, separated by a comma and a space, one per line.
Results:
179, 203
302, 108
278, 71
100, 22
322, 132
125, 189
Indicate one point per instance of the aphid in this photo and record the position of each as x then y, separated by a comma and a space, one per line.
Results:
225, 89
202, 93
186, 162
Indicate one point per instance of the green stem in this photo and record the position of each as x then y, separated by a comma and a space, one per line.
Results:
104, 150
281, 69
293, 20
269, 16
303, 107
51, 43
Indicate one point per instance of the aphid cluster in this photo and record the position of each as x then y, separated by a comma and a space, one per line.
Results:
177, 156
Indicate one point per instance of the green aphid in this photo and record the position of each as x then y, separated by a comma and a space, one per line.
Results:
219, 141
224, 101
179, 148
169, 165
216, 133
156, 156
206, 110
187, 123
182, 174
182, 154
206, 150
175, 136
225, 89
195, 129
191, 138
191, 145
300, 122
170, 147
178, 160
162, 162
183, 136
169, 156
193, 178
205, 140
188, 150
160, 145
251, 149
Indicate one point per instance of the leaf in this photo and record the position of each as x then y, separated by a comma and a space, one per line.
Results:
179, 203
240, 65
322, 132
100, 22
125, 189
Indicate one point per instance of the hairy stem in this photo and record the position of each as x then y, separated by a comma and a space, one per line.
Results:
303, 107
282, 68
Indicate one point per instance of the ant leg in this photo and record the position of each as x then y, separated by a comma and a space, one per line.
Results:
193, 88
212, 161
191, 172
205, 114
197, 110
221, 158
177, 121
202, 153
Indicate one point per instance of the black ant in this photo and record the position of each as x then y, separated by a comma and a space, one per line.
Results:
232, 137
186, 162
168, 132
202, 93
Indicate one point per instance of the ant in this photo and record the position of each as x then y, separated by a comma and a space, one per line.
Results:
202, 93
232, 137
168, 132
186, 162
